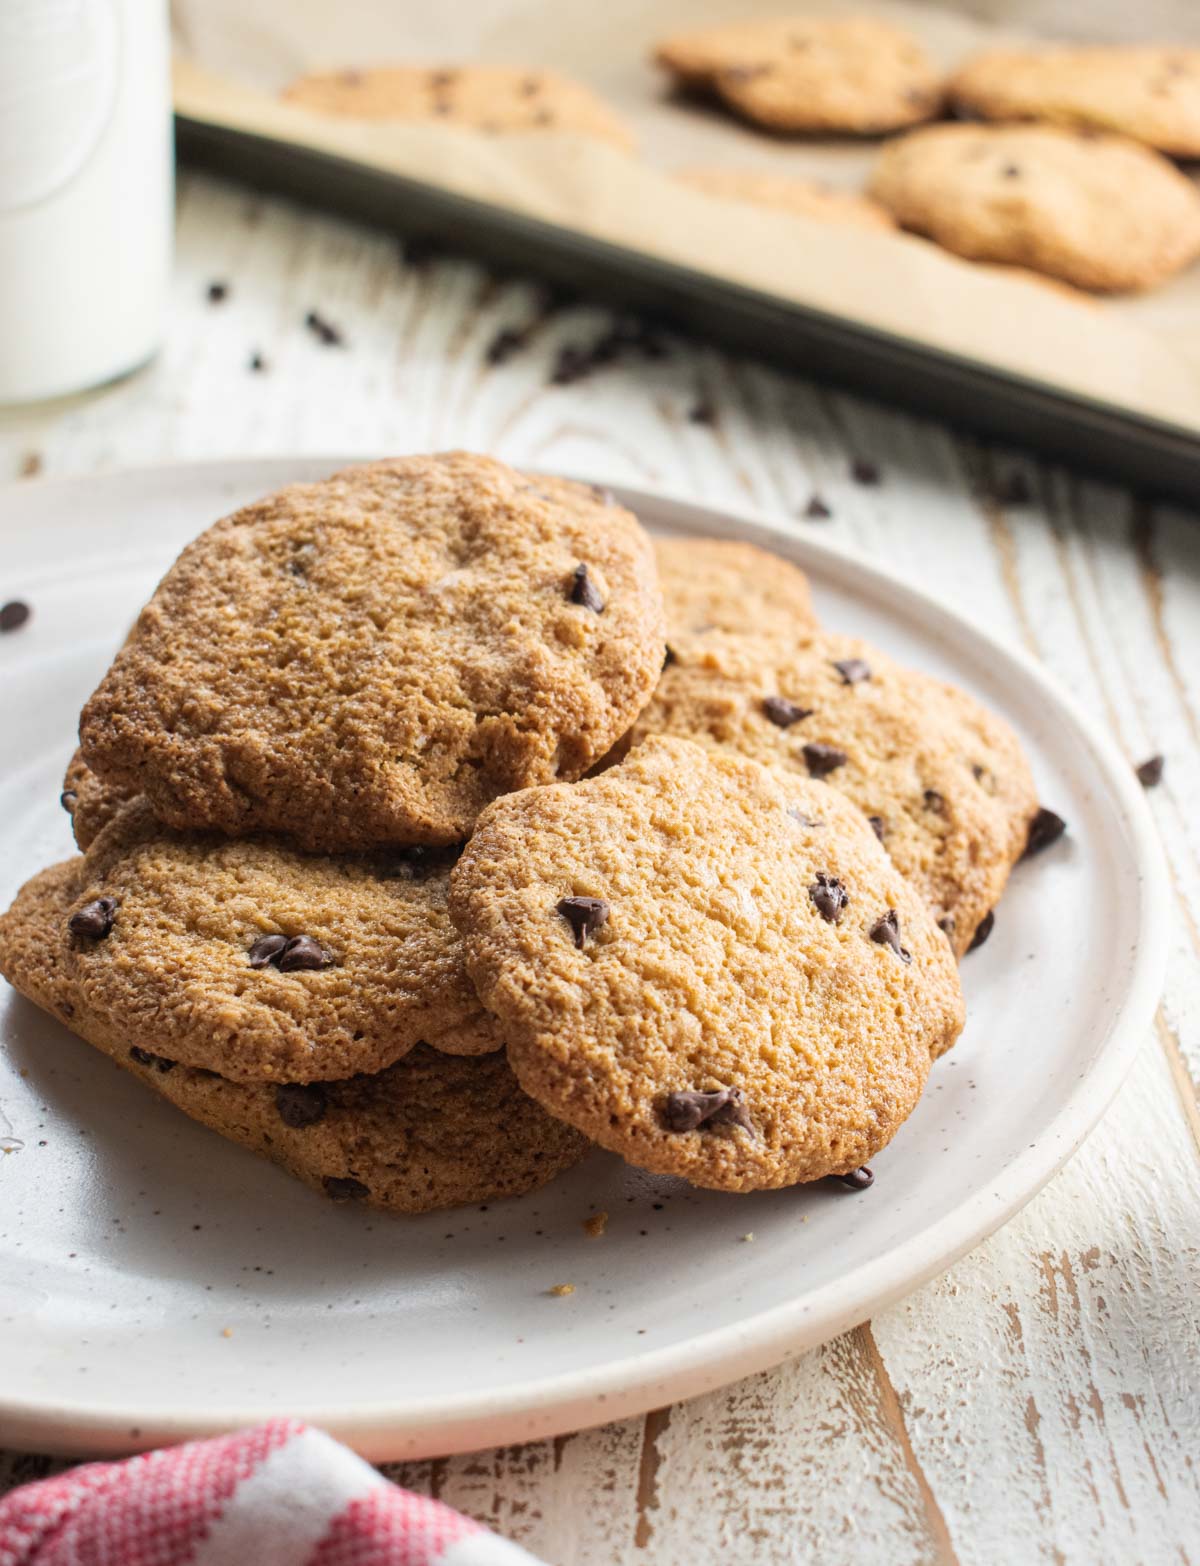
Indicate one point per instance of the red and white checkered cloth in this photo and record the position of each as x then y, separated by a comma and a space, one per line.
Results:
277, 1495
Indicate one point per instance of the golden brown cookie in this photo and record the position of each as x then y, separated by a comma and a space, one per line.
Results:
370, 659
90, 803
1151, 94
489, 98
706, 965
809, 198
1097, 211
943, 781
427, 1132
251, 959
714, 585
856, 74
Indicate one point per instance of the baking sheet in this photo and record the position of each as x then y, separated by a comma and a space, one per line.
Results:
1140, 357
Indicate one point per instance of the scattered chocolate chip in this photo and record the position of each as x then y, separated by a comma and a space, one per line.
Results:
830, 897
324, 331
783, 713
983, 929
1013, 490
863, 472
344, 1188
95, 919
504, 345
266, 950
418, 861
878, 825
1045, 828
852, 670
886, 932
144, 1057
817, 510
687, 1111
821, 760
302, 952
571, 365
257, 363
585, 915
218, 293
1149, 772
419, 250
703, 412
13, 615
669, 658
858, 1179
301, 1104
68, 799
584, 591
933, 800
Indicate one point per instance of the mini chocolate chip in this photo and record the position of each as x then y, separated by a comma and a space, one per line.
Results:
585, 915
783, 713
983, 929
266, 949
866, 473
933, 800
947, 924
669, 658
144, 1057
218, 293
1045, 828
95, 918
878, 825
817, 510
418, 861
858, 1179
303, 952
821, 760
301, 1104
688, 1111
703, 412
344, 1188
584, 591
886, 932
13, 615
852, 670
830, 897
1150, 771
324, 331
68, 799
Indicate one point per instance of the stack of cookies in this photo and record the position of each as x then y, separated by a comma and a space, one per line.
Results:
436, 825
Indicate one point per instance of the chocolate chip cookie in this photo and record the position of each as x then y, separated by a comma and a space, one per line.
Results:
90, 803
253, 960
370, 659
713, 586
489, 98
429, 1131
943, 781
1099, 212
809, 198
706, 965
855, 74
1151, 94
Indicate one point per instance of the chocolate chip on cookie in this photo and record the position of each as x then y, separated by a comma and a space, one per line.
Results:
852, 670
878, 825
584, 590
821, 760
94, 919
858, 1179
148, 1058
585, 915
301, 1104
982, 930
829, 896
266, 950
886, 932
303, 953
689, 1111
345, 1188
783, 713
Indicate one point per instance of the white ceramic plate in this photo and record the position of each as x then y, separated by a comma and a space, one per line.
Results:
156, 1283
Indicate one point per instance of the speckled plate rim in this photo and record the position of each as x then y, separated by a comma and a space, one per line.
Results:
387, 1429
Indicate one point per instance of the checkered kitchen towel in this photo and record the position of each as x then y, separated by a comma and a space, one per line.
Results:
277, 1495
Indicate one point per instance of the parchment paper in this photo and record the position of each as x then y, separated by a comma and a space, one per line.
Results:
1139, 354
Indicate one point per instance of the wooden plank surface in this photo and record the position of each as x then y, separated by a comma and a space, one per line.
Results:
1040, 1401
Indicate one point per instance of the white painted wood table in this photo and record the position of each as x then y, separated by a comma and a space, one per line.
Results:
1041, 1401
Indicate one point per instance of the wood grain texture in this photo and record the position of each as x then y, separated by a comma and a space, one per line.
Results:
1041, 1400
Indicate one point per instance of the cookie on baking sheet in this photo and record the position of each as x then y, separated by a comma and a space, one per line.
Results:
856, 74
248, 958
429, 1131
373, 657
90, 803
716, 585
809, 198
490, 98
1099, 212
1149, 93
943, 781
706, 966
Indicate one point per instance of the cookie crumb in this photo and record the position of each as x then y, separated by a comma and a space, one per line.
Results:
561, 1290
746, 1238
595, 1226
